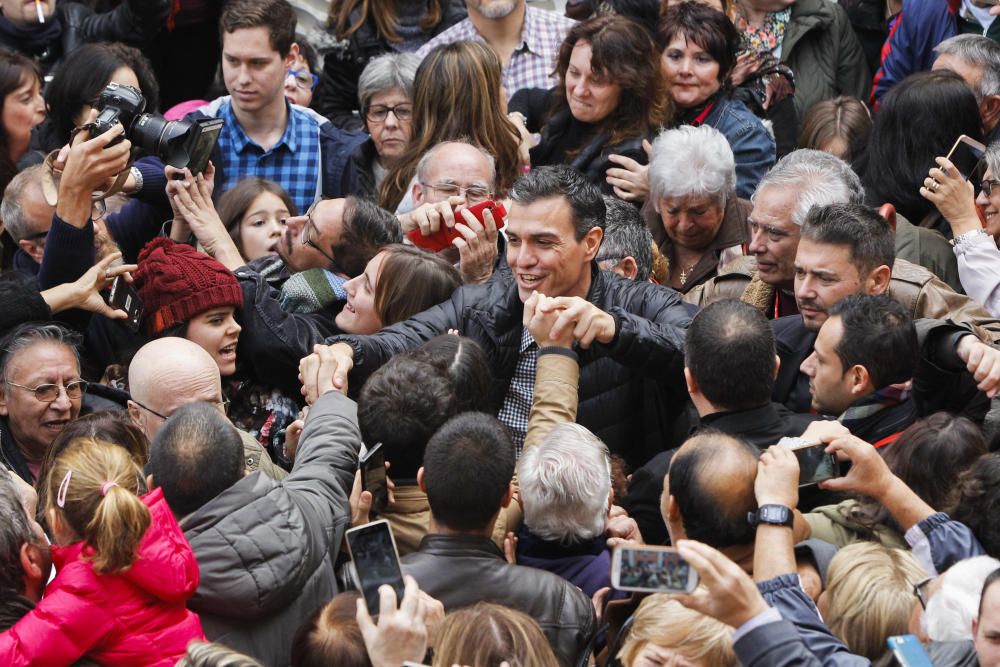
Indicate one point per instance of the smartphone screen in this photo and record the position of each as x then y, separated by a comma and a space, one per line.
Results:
208, 134
908, 651
376, 561
373, 479
651, 569
815, 465
966, 154
124, 297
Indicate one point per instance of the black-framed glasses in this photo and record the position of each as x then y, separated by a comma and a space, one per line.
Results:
309, 234
98, 209
379, 112
918, 590
987, 186
303, 79
223, 403
473, 194
47, 393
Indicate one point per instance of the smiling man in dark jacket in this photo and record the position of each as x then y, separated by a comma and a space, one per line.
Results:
630, 335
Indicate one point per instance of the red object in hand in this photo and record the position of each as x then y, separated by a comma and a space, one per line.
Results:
445, 235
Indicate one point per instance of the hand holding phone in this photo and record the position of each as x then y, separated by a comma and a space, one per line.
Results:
373, 478
815, 464
966, 154
124, 297
445, 235
908, 651
651, 569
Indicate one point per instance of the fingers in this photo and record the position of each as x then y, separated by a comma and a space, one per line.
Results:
628, 163
648, 147
386, 600
411, 596
364, 619
529, 308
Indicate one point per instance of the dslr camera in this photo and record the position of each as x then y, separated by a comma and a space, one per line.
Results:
179, 143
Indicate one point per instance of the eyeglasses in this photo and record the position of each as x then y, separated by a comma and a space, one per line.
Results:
224, 404
97, 210
308, 234
379, 112
473, 194
774, 234
987, 186
47, 393
303, 79
918, 590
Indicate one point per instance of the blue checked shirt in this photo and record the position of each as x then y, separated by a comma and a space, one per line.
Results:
533, 60
517, 403
293, 162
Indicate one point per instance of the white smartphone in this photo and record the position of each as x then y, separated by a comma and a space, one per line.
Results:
651, 569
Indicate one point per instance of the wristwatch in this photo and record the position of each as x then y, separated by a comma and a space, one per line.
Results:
772, 515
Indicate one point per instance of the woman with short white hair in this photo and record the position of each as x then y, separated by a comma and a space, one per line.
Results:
693, 212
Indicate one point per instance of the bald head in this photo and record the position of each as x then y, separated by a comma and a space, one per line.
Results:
710, 489
166, 374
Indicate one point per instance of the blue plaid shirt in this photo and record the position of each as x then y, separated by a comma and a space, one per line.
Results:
293, 162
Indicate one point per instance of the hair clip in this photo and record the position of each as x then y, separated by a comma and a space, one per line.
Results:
63, 488
106, 486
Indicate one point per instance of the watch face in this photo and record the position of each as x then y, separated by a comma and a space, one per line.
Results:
774, 514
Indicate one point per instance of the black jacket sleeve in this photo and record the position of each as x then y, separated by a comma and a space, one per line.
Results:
133, 21
22, 301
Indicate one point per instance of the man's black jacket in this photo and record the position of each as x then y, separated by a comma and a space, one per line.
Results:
631, 390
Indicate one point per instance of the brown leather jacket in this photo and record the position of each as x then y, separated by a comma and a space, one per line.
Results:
923, 294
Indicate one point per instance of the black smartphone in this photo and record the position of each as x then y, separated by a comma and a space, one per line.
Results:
815, 464
203, 144
376, 561
651, 569
372, 465
966, 154
123, 296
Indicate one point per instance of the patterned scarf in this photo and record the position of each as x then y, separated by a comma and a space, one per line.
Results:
765, 38
886, 397
311, 290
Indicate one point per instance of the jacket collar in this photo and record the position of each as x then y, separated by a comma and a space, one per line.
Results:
476, 546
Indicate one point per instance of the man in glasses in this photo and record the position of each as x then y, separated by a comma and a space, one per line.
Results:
452, 176
264, 134
168, 373
40, 392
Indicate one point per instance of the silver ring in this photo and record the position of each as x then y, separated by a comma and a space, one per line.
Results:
935, 186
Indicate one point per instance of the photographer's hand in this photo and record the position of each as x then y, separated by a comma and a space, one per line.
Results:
85, 292
90, 164
729, 594
193, 202
429, 217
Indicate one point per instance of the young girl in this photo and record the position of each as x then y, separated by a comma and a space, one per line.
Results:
125, 570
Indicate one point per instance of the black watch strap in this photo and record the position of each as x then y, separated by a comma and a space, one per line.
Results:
772, 515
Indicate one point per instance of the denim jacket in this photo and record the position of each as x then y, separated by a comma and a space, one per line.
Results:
752, 143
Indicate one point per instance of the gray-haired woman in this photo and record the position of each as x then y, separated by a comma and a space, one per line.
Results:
693, 212
385, 93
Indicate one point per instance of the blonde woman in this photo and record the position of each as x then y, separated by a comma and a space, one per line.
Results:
664, 630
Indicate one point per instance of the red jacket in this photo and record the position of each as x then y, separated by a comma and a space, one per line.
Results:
137, 617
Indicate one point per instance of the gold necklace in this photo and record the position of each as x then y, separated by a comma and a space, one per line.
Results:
685, 272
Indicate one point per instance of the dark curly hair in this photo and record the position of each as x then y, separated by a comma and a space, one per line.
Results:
975, 501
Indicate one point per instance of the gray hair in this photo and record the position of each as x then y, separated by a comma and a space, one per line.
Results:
950, 610
425, 160
992, 158
11, 210
977, 51
210, 654
691, 161
387, 71
15, 532
626, 235
820, 178
34, 333
565, 482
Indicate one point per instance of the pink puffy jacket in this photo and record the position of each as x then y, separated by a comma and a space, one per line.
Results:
136, 617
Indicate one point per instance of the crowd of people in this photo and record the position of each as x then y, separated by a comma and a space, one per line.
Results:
522, 289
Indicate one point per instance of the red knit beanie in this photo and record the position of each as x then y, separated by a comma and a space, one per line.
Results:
176, 282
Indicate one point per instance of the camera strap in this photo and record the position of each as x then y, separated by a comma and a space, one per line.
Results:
51, 176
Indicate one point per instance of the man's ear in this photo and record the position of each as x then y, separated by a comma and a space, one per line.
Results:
35, 568
692, 384
628, 268
878, 280
32, 250
150, 482
133, 413
420, 480
592, 242
989, 110
418, 194
292, 57
860, 380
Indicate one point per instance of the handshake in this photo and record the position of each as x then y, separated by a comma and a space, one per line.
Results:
559, 321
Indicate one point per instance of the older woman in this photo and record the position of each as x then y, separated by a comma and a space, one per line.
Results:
609, 100
974, 246
699, 45
701, 224
385, 92
666, 633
